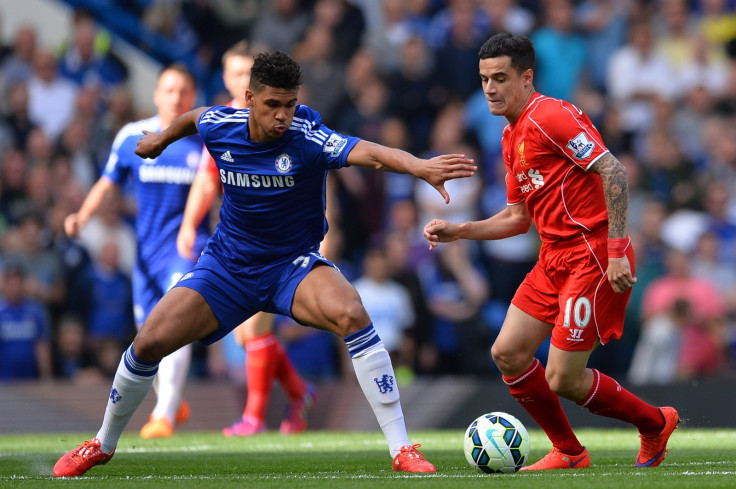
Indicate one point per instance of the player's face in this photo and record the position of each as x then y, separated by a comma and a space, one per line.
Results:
507, 91
174, 95
271, 112
236, 76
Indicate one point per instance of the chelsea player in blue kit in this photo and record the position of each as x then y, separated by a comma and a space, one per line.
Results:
161, 189
273, 159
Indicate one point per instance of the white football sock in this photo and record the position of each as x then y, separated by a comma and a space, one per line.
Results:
132, 382
172, 375
376, 378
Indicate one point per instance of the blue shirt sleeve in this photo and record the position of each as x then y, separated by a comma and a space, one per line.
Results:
328, 147
119, 162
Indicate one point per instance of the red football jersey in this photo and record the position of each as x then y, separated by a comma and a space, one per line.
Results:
547, 152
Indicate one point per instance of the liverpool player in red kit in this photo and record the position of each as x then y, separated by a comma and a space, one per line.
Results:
561, 177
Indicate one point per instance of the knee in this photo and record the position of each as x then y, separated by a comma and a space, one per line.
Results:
351, 318
564, 385
148, 347
509, 361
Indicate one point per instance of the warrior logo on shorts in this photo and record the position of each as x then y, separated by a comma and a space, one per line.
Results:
283, 163
581, 146
386, 384
114, 395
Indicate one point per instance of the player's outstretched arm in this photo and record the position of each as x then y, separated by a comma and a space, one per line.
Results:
435, 171
513, 220
152, 144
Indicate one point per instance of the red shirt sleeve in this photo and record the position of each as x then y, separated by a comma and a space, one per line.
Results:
571, 133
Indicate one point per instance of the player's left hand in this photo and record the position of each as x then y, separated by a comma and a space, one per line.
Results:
619, 274
442, 168
150, 145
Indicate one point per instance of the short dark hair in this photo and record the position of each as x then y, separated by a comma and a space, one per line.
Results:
517, 47
182, 69
241, 49
275, 69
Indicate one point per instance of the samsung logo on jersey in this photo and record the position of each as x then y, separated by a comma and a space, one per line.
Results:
166, 174
247, 180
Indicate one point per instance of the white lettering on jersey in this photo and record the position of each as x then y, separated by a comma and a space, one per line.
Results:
535, 178
166, 174
238, 179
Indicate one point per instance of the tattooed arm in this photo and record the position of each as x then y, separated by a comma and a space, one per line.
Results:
616, 192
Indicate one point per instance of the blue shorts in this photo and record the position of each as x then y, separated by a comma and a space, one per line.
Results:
151, 283
234, 297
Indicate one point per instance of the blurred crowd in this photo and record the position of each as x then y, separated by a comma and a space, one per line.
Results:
402, 73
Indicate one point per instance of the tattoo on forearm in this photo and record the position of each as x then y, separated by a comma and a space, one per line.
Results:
616, 192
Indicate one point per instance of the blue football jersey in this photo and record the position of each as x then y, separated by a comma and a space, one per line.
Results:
161, 187
273, 204
21, 326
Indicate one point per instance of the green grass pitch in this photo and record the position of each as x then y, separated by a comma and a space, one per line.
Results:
698, 458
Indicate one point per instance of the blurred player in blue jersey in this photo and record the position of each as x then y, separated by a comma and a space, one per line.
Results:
161, 189
266, 358
273, 159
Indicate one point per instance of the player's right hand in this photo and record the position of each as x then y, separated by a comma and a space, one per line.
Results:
185, 242
71, 225
440, 231
149, 146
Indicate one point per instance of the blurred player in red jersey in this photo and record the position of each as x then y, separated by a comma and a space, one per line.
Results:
561, 177
266, 358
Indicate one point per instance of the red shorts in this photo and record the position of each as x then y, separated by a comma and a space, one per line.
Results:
569, 287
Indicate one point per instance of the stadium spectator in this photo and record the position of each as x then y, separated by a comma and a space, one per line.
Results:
110, 302
26, 245
581, 214
18, 65
347, 23
73, 357
637, 77
16, 121
280, 26
82, 63
51, 98
456, 292
656, 356
107, 223
679, 283
388, 303
416, 93
604, 24
323, 75
456, 33
388, 39
559, 44
25, 329
508, 16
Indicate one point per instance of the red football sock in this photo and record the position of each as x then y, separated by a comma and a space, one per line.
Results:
260, 370
286, 374
608, 398
532, 391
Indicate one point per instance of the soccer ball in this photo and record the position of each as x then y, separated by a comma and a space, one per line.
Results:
496, 442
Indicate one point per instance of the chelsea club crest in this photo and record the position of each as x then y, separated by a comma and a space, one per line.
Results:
283, 163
